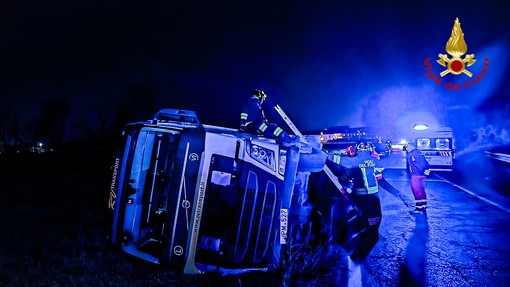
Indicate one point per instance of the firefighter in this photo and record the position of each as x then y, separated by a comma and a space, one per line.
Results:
254, 121
357, 171
358, 157
372, 149
419, 169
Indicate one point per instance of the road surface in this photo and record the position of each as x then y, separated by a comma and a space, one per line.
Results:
461, 240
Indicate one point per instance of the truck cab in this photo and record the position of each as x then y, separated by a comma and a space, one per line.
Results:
201, 198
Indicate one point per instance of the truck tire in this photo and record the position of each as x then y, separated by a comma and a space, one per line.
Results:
313, 161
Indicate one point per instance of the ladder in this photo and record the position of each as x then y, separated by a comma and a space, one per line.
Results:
298, 133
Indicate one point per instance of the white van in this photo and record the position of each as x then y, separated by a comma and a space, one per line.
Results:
438, 146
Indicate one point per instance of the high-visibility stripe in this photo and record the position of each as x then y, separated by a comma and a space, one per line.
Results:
373, 189
336, 158
244, 116
374, 220
277, 131
370, 189
262, 127
421, 201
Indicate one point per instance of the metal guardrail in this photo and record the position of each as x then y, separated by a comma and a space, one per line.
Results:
498, 156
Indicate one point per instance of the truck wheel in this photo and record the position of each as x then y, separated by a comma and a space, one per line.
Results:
312, 162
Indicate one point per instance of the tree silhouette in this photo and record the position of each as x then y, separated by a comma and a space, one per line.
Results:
5, 116
54, 120
137, 105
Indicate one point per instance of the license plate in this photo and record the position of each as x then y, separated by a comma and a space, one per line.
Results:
284, 219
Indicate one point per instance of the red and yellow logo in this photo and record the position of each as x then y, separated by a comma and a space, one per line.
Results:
456, 47
456, 62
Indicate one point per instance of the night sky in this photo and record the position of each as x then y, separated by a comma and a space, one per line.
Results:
326, 63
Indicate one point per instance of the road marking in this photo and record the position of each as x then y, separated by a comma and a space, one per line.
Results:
474, 194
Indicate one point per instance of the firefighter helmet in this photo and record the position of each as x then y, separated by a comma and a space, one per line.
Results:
371, 146
350, 151
259, 94
362, 146
410, 146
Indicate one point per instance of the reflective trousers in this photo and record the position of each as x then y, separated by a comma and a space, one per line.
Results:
418, 189
268, 130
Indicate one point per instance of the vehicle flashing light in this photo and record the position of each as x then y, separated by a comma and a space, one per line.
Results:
420, 127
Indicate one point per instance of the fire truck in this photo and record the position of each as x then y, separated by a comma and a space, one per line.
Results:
340, 137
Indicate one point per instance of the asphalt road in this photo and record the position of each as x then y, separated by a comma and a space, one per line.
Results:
461, 240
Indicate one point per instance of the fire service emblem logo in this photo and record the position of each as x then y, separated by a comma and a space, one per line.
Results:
456, 47
456, 62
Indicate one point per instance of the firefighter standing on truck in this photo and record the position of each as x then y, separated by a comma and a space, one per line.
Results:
254, 121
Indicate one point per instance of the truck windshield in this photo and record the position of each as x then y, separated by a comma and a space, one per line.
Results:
151, 172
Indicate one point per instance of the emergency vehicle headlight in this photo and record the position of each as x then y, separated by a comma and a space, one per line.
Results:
423, 143
443, 143
263, 155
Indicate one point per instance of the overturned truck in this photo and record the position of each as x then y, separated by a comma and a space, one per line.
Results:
202, 198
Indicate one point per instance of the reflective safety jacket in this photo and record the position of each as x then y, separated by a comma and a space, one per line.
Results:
359, 172
252, 111
418, 164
